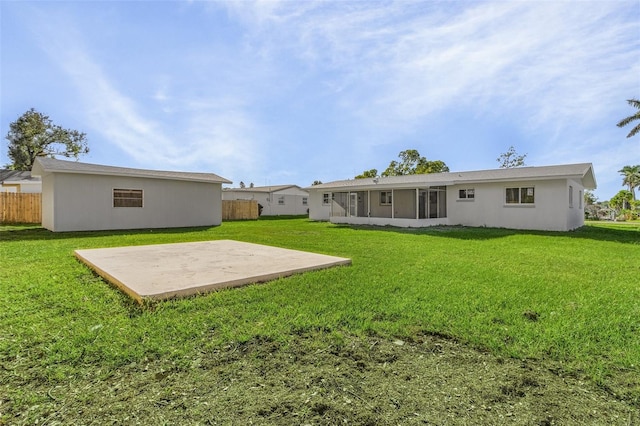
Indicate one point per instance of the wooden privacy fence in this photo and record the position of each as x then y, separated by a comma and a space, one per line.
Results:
17, 207
239, 210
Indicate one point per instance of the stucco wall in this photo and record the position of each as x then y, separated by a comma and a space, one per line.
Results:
377, 209
85, 202
404, 203
47, 202
293, 201
317, 210
488, 208
551, 210
575, 213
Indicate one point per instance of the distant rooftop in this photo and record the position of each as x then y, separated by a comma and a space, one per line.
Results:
16, 176
270, 188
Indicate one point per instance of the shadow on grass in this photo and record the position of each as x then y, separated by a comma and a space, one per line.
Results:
589, 232
597, 232
285, 217
32, 233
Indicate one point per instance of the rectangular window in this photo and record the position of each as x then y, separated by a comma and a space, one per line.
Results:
467, 194
570, 196
385, 198
305, 201
326, 198
580, 199
524, 195
127, 198
281, 200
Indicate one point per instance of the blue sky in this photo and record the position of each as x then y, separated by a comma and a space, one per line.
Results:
290, 92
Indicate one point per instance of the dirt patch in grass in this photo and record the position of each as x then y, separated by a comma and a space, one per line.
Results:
317, 379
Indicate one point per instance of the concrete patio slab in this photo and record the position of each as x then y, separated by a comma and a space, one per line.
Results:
166, 271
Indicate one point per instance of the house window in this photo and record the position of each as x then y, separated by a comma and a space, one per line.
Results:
570, 196
385, 198
305, 201
467, 194
127, 198
580, 198
281, 200
524, 195
326, 198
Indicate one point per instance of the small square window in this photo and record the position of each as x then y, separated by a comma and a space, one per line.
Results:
281, 200
527, 195
385, 198
326, 198
305, 201
466, 194
513, 196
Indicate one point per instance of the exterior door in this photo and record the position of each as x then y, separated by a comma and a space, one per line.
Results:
433, 204
353, 204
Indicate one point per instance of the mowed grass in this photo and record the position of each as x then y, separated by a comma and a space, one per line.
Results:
570, 300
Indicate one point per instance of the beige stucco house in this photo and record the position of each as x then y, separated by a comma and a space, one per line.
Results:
19, 182
276, 200
81, 197
537, 198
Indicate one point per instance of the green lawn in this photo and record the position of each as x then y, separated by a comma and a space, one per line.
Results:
570, 301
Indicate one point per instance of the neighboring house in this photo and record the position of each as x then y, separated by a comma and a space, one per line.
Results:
276, 200
82, 197
19, 181
541, 198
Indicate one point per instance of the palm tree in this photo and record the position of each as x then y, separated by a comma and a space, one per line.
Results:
631, 178
636, 104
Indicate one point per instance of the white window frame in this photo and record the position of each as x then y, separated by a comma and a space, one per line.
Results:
467, 194
520, 190
570, 196
580, 199
386, 198
326, 198
281, 200
305, 201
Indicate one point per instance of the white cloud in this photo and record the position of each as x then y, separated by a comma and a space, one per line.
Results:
398, 62
192, 133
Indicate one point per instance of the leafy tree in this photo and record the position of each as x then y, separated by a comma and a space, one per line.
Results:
34, 135
622, 200
316, 182
631, 178
368, 174
251, 185
242, 185
589, 198
635, 117
435, 166
412, 163
511, 159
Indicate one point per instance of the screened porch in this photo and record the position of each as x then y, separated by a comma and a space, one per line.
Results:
392, 204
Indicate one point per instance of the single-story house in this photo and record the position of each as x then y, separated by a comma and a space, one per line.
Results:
275, 200
81, 197
538, 198
19, 181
